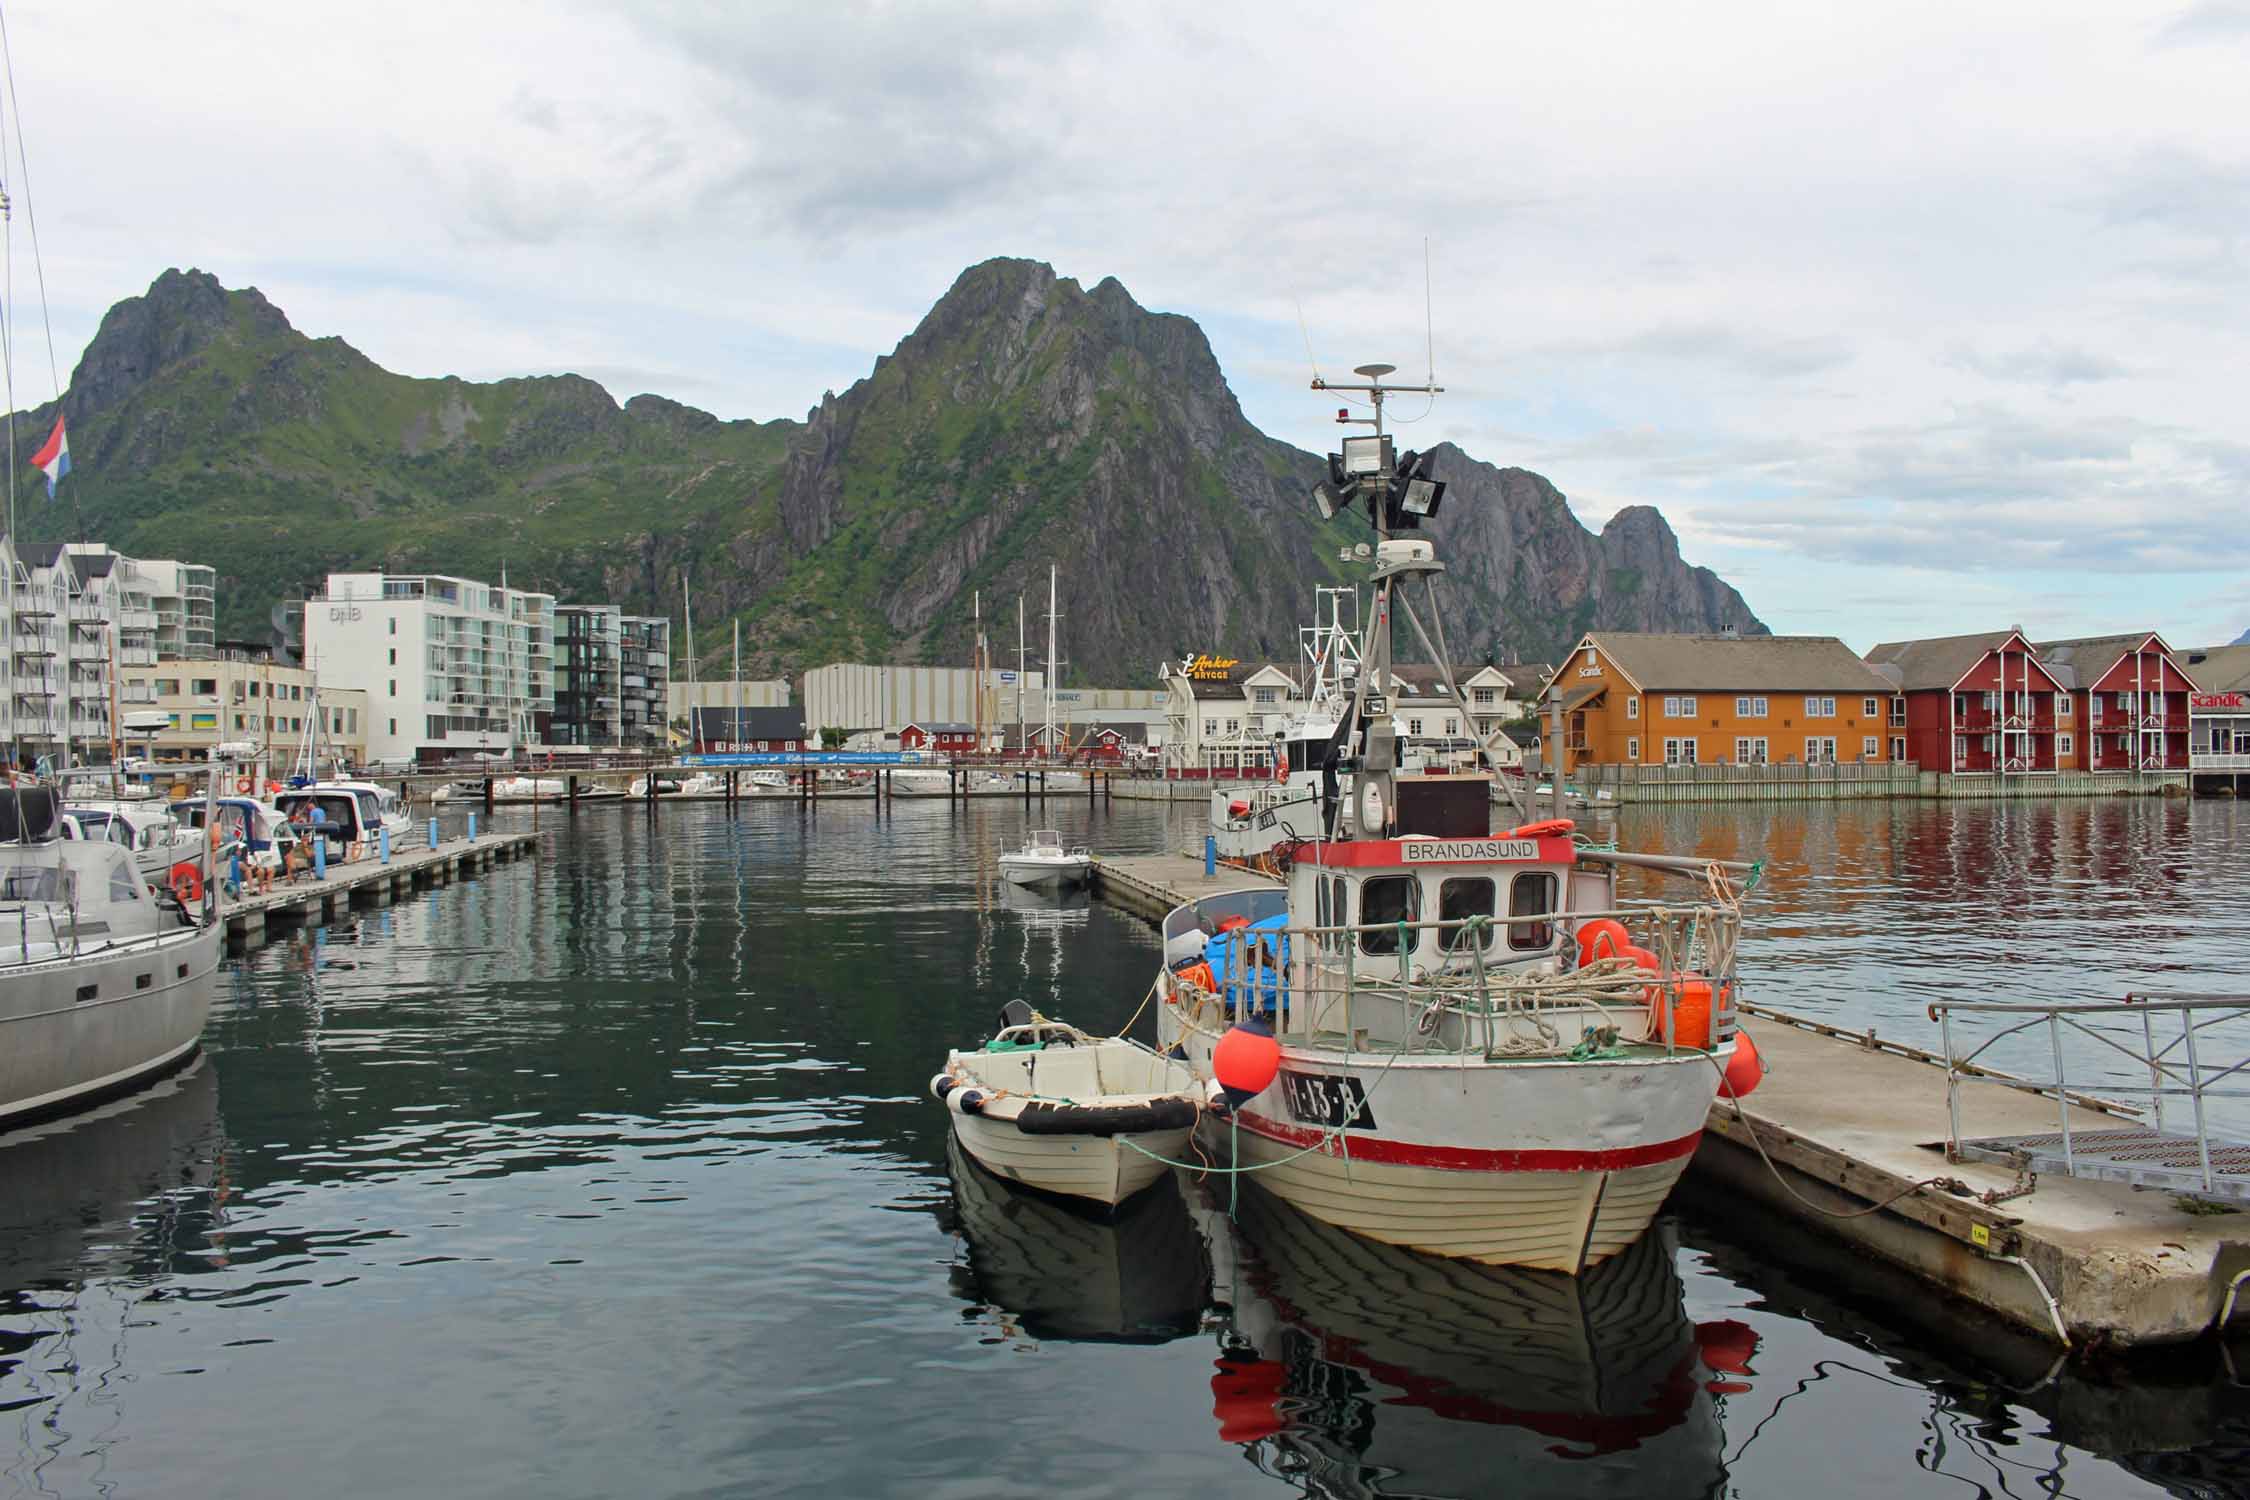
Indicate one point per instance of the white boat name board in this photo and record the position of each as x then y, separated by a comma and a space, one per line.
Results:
1431, 851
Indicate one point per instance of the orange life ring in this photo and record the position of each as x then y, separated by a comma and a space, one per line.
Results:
1552, 828
1281, 766
187, 883
243, 785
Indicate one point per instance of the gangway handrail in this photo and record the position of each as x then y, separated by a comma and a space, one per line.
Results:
2167, 1076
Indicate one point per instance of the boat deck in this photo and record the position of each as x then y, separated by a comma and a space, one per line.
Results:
367, 882
1852, 1121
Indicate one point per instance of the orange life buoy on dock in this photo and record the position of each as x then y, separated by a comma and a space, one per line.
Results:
187, 883
242, 785
1551, 828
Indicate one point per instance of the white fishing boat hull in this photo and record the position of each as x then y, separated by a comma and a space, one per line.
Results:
1108, 1084
1540, 1163
60, 1048
1036, 872
1102, 1169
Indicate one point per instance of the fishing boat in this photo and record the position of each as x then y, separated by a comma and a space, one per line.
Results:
1045, 1105
1439, 1034
1044, 861
1248, 823
104, 983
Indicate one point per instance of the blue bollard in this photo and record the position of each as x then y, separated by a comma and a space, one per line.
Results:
383, 843
433, 833
320, 857
1210, 855
472, 828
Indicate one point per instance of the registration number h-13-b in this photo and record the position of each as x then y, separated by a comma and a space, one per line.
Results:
1328, 1100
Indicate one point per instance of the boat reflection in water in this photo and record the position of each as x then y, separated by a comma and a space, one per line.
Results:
1356, 1368
69, 1186
1038, 1268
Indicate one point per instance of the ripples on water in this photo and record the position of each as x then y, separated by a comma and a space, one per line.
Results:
612, 1172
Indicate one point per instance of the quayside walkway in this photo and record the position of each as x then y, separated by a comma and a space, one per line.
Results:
367, 882
1847, 1136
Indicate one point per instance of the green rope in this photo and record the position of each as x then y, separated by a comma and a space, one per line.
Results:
1599, 1044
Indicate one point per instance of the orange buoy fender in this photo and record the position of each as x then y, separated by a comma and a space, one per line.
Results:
187, 883
1604, 937
1246, 1061
1551, 828
1745, 1070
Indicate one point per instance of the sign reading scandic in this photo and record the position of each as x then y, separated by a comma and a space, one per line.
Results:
1454, 851
2217, 700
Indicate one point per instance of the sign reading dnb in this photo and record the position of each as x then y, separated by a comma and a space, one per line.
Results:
1456, 851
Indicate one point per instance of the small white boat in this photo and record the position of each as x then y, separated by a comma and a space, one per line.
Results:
1048, 1106
1043, 861
700, 784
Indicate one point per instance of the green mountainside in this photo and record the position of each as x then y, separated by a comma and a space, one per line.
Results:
1025, 421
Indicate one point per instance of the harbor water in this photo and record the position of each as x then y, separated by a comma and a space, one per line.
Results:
612, 1171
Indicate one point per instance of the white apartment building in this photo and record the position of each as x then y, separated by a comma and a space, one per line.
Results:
450, 666
72, 614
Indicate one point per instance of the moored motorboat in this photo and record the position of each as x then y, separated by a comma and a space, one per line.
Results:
1048, 1106
103, 982
1044, 861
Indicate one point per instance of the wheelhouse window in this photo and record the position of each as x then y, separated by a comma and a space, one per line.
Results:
1463, 897
1387, 899
1531, 894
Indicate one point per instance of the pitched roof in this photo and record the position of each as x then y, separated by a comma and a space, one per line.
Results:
1424, 680
2089, 658
1730, 663
1936, 663
934, 727
2220, 669
785, 722
1527, 677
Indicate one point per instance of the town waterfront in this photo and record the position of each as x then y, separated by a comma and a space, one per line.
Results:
612, 1171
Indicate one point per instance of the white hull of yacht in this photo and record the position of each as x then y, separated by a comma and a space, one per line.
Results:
60, 1046
1541, 1163
1038, 872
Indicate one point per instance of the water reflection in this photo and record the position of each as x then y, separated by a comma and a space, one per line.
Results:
1353, 1368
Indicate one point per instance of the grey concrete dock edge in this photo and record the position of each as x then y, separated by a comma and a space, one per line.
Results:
1850, 1122
309, 902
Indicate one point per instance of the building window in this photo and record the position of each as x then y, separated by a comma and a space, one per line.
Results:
394, 726
1414, 728
1820, 751
2064, 744
1820, 708
1898, 713
1679, 708
206, 685
394, 687
1481, 697
1633, 750
394, 625
253, 690
1750, 751
1869, 749
1632, 708
1898, 750
394, 656
2062, 706
1590, 661
1868, 708
1749, 708
1679, 752
1264, 695
238, 721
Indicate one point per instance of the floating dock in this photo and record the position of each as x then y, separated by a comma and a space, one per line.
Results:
1846, 1135
368, 882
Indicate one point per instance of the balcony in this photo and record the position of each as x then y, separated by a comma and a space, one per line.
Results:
1985, 721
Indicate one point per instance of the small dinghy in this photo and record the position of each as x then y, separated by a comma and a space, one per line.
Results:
1048, 1106
1043, 861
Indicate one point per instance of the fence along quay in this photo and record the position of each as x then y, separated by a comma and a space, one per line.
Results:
1848, 1136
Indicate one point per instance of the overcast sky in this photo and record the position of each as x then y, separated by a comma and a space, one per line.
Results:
1912, 318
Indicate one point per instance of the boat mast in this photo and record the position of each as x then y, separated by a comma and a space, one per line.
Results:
1023, 730
1053, 664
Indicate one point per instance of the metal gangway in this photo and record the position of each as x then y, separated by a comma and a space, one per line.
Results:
2157, 1152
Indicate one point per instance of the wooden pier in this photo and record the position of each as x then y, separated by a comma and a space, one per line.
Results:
369, 882
1846, 1136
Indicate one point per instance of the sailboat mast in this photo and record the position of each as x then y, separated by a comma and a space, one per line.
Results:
1053, 666
1023, 731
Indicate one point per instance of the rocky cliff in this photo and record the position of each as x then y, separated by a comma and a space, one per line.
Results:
1027, 420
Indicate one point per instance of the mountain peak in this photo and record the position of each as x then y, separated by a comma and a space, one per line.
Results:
180, 316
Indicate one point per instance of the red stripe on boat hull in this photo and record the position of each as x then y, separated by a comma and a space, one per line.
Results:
1469, 1159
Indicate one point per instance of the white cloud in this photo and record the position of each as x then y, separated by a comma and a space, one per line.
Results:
1890, 289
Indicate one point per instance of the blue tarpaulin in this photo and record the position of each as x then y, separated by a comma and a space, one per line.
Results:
1262, 949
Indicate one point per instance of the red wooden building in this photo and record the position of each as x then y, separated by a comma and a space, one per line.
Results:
945, 739
2127, 706
1974, 704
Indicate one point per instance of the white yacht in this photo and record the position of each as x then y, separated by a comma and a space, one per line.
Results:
103, 982
352, 816
1045, 861
146, 826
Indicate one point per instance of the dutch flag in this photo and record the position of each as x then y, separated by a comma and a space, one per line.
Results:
54, 458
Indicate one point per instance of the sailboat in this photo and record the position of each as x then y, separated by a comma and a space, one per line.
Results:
1437, 1034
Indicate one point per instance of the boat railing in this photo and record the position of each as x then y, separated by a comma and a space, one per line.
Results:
1307, 979
2138, 1031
